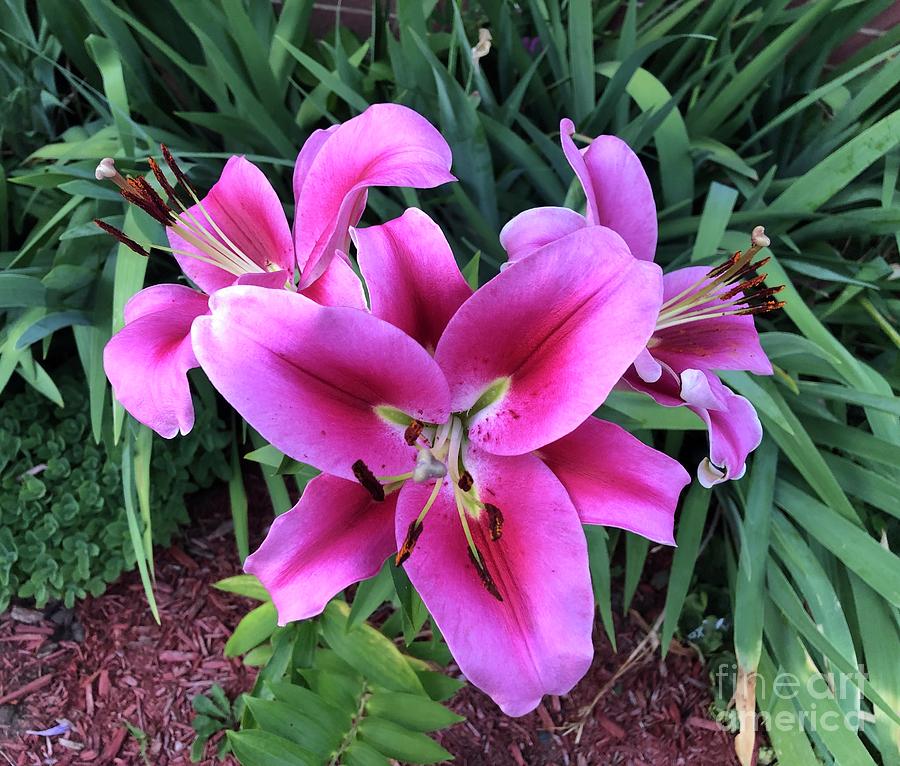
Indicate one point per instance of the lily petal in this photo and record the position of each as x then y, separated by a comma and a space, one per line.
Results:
538, 639
548, 338
335, 536
148, 359
722, 343
575, 157
623, 194
531, 230
309, 377
616, 480
412, 276
387, 145
734, 427
246, 208
338, 286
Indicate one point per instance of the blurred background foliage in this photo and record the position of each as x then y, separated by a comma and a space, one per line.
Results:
741, 114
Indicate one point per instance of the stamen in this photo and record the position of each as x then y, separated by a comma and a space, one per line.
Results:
365, 477
412, 536
486, 580
495, 521
726, 290
173, 166
413, 432
161, 178
122, 237
465, 482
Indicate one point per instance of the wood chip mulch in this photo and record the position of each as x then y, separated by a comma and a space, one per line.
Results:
107, 662
646, 712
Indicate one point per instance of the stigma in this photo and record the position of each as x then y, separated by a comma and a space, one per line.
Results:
732, 288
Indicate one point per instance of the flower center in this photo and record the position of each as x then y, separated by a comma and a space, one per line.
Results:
726, 290
441, 451
212, 245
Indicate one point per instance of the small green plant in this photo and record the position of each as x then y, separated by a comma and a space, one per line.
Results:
331, 690
63, 529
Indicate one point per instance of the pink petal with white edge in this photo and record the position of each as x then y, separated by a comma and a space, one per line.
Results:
734, 427
246, 208
412, 276
335, 536
338, 286
538, 639
721, 343
616, 480
309, 377
148, 359
531, 230
387, 145
560, 328
623, 194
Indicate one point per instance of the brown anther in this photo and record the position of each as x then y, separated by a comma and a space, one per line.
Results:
122, 237
486, 580
743, 287
466, 482
179, 173
495, 521
762, 309
413, 432
719, 270
409, 542
161, 178
132, 195
367, 479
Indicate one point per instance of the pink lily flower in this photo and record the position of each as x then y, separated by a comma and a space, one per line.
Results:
455, 429
239, 234
706, 319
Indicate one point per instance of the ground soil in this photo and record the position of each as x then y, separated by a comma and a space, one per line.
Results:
108, 663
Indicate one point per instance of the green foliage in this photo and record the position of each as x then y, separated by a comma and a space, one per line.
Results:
63, 529
329, 691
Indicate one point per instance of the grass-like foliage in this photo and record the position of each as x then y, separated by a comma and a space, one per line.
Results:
741, 114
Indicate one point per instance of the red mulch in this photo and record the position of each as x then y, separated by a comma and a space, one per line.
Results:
127, 668
653, 713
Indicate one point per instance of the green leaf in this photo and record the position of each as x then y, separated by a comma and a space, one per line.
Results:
237, 498
260, 748
598, 558
688, 537
368, 651
749, 606
292, 724
862, 554
396, 742
636, 548
252, 630
716, 213
244, 585
361, 754
21, 291
370, 594
411, 711
310, 704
